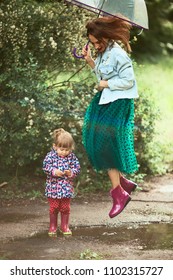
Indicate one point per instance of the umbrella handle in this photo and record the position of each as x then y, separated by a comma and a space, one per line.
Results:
79, 56
76, 55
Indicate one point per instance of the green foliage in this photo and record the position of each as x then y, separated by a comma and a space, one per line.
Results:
89, 255
36, 38
149, 151
154, 82
40, 29
22, 109
17, 193
27, 123
159, 38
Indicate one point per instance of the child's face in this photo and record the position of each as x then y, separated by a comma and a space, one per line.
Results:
62, 152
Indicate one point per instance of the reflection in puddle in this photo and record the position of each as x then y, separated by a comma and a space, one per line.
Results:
40, 246
150, 236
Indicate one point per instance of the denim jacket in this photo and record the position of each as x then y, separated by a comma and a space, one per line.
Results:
115, 66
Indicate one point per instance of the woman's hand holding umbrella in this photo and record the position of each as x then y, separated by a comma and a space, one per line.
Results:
86, 52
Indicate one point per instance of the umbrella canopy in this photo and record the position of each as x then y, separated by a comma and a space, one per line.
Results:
134, 10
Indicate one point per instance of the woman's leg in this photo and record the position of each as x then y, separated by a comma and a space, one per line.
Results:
114, 176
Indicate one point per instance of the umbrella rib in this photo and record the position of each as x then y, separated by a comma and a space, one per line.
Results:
101, 8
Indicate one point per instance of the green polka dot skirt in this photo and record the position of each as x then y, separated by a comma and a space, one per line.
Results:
108, 135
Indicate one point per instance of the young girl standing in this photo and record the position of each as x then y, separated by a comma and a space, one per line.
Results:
61, 166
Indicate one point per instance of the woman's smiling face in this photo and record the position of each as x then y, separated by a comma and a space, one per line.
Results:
99, 45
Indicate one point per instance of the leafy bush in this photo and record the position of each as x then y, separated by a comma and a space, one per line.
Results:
31, 111
22, 103
34, 38
149, 151
40, 29
158, 39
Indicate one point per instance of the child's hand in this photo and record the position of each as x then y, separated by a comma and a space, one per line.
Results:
67, 172
59, 173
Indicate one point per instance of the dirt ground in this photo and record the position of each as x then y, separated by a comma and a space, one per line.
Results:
144, 230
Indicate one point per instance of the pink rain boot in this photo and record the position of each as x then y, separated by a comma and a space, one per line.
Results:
65, 224
53, 224
128, 186
120, 199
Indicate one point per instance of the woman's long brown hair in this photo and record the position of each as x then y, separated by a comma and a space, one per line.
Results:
111, 28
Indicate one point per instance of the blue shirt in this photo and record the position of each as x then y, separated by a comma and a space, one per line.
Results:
115, 66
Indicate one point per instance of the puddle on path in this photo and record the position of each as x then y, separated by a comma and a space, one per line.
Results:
142, 237
150, 236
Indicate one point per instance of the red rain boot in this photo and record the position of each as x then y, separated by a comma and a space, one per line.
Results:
65, 224
128, 186
120, 199
53, 225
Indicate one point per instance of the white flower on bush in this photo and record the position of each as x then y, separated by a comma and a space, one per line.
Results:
32, 100
31, 122
53, 43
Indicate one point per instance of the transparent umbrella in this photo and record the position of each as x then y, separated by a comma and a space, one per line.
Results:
133, 11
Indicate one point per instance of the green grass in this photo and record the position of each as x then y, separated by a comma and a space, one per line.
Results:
158, 78
90, 255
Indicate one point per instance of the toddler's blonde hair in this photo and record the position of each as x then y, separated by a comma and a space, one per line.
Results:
63, 139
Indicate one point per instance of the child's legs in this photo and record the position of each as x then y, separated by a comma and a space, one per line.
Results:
65, 213
65, 205
54, 205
